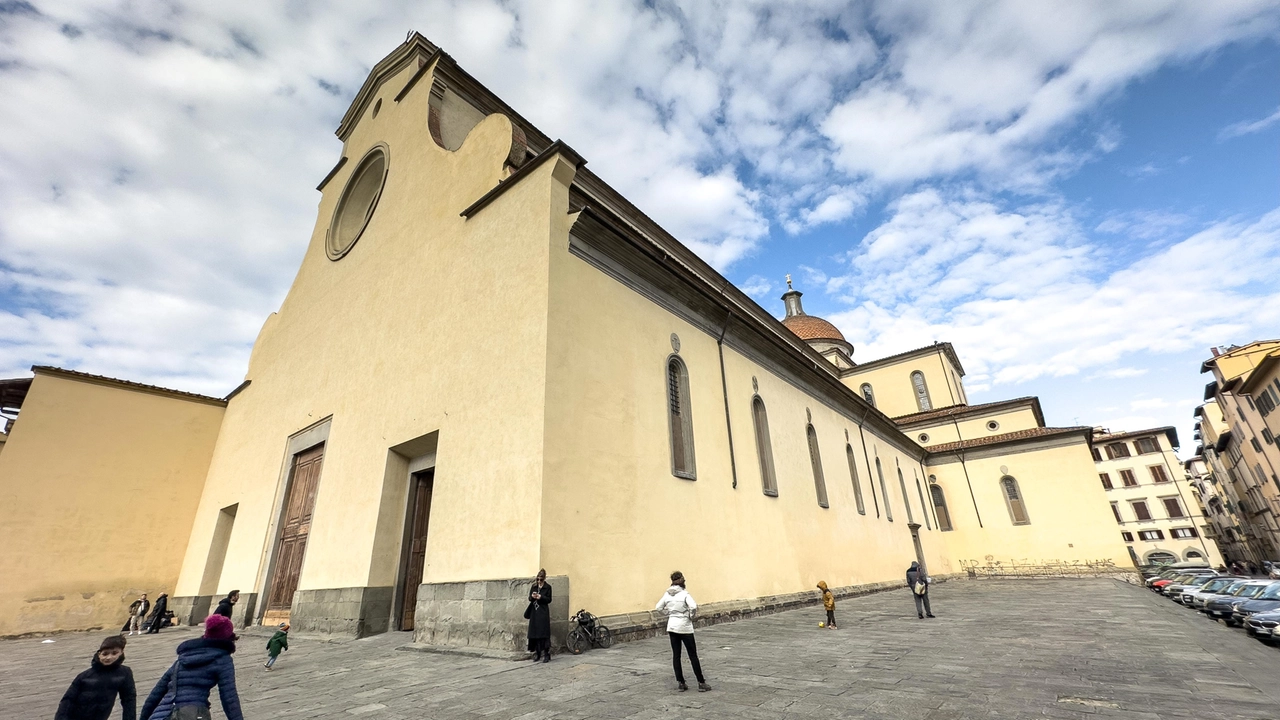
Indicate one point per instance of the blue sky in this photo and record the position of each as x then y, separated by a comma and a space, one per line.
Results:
1082, 197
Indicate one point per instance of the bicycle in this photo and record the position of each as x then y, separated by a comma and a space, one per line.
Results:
587, 631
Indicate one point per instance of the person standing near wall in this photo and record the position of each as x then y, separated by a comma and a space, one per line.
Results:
539, 616
226, 603
918, 581
138, 612
679, 607
157, 614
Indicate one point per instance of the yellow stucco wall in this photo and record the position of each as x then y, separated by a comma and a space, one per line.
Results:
431, 323
894, 393
1070, 518
615, 518
944, 430
98, 488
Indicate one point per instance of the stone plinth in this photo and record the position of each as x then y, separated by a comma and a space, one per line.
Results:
485, 613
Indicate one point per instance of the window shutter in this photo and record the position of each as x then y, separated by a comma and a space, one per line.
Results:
764, 448
815, 458
857, 484
1106, 480
1140, 510
1017, 508
940, 507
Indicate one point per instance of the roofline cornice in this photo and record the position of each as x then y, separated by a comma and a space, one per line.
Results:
944, 347
967, 411
126, 385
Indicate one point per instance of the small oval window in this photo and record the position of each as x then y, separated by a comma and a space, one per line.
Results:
993, 426
924, 437
359, 198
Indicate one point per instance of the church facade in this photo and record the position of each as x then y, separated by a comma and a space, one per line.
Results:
491, 362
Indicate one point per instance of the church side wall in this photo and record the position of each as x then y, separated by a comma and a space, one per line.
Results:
615, 518
1070, 521
894, 393
98, 488
433, 323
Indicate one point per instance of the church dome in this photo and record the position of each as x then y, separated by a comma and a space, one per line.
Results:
810, 327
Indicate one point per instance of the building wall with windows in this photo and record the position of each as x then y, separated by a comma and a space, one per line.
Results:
970, 422
1058, 515
892, 385
1154, 508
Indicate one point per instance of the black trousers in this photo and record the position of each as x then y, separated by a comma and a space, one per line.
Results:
831, 618
687, 639
922, 603
540, 646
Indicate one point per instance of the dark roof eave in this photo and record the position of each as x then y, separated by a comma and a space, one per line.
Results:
126, 385
955, 411
944, 347
1013, 438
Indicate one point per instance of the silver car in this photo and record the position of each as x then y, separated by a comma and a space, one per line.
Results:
1194, 597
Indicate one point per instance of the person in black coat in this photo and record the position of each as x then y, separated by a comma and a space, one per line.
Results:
226, 603
92, 694
539, 614
157, 614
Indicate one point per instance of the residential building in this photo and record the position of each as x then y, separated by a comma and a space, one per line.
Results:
1150, 496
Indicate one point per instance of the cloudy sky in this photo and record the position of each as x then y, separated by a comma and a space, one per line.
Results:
1083, 197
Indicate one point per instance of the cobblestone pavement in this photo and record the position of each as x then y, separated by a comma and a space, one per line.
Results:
999, 649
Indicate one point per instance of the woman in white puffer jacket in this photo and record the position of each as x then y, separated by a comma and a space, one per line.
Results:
679, 607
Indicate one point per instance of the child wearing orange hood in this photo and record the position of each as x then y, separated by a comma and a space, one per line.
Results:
828, 602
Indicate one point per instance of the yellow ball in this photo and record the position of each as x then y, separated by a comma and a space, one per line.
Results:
822, 625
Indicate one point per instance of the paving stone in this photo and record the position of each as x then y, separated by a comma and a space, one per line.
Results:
999, 649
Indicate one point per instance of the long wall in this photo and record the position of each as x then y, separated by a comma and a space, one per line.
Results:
98, 488
615, 518
431, 324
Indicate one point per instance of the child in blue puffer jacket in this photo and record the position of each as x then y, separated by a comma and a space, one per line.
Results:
183, 690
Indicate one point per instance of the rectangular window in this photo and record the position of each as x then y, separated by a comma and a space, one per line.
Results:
1140, 510
1151, 534
1173, 507
1106, 480
1147, 445
1183, 533
1266, 435
1117, 450
1097, 456
1128, 536
1128, 478
1115, 510
1158, 474
1257, 446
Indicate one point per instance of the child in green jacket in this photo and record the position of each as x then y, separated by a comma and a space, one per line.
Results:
278, 643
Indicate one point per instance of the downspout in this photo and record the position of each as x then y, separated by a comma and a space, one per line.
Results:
724, 389
871, 478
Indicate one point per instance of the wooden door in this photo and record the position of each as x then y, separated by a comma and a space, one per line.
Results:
292, 545
416, 556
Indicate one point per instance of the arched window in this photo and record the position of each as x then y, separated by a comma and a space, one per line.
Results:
940, 507
924, 507
868, 395
764, 448
906, 500
857, 484
884, 493
922, 392
1013, 498
680, 419
815, 459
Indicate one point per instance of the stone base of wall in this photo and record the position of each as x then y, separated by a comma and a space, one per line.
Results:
191, 609
353, 612
639, 625
485, 614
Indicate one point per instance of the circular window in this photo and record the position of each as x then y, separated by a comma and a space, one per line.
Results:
359, 198
924, 437
993, 425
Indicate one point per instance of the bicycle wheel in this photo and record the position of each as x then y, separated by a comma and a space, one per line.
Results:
577, 641
604, 637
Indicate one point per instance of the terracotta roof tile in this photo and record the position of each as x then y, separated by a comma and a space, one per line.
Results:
962, 409
809, 327
128, 384
1015, 436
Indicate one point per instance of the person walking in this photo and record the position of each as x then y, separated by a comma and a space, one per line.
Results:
92, 695
828, 604
137, 613
918, 581
226, 603
157, 614
182, 693
678, 605
539, 615
277, 644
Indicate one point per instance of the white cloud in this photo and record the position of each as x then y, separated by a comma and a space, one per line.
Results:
1022, 294
758, 287
1120, 373
1249, 127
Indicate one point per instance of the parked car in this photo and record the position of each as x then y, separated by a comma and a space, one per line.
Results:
1211, 588
1263, 625
1174, 589
1164, 572
1229, 590
1268, 599
1221, 608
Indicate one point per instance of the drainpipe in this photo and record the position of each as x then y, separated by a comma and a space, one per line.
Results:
724, 389
871, 479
